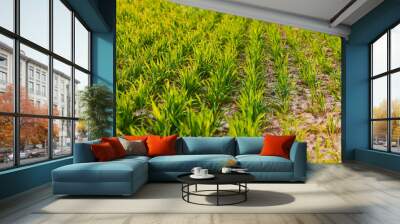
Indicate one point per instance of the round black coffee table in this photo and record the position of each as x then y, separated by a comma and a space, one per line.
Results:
238, 179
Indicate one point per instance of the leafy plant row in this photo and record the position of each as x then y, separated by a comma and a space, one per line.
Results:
249, 120
200, 73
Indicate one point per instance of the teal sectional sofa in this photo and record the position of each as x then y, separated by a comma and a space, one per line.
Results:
125, 176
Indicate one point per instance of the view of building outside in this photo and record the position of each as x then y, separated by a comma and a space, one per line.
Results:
47, 108
34, 86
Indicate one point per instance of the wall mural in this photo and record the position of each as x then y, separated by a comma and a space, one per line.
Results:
196, 72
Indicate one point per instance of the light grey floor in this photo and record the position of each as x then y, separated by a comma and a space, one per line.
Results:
377, 188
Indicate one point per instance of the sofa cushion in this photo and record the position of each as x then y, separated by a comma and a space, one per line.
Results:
277, 145
112, 171
116, 145
208, 145
257, 163
135, 147
135, 138
103, 152
83, 152
185, 163
249, 145
161, 145
133, 157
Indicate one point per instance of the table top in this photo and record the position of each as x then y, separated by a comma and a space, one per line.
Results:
220, 178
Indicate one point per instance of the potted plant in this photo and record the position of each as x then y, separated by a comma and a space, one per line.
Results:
97, 103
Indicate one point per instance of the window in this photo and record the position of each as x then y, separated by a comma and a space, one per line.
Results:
55, 101
62, 29
81, 82
7, 14
6, 74
62, 74
62, 137
385, 94
47, 76
3, 61
44, 91
37, 89
35, 21
3, 72
395, 47
30, 72
37, 74
6, 142
81, 45
3, 78
33, 142
30, 87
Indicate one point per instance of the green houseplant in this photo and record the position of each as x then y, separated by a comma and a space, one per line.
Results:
97, 103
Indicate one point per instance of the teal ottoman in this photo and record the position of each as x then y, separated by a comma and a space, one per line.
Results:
119, 177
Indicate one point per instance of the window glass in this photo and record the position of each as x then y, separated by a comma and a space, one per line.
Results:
379, 56
62, 138
395, 95
34, 81
81, 45
62, 89
6, 74
395, 138
81, 82
39, 62
62, 29
7, 14
395, 47
81, 131
34, 21
6, 142
33, 140
379, 135
379, 98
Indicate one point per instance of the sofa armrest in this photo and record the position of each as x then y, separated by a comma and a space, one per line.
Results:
298, 155
83, 152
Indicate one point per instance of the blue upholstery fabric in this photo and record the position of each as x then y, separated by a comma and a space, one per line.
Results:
118, 177
130, 158
184, 163
257, 163
249, 145
94, 172
179, 145
126, 175
83, 152
298, 155
208, 145
90, 188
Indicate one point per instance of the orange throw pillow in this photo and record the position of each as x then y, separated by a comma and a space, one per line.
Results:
103, 152
161, 146
277, 145
116, 145
135, 138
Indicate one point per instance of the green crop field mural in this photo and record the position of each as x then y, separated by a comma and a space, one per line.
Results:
195, 72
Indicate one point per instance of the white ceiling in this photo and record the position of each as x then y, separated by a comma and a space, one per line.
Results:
324, 16
320, 9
